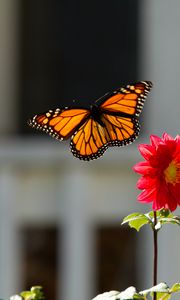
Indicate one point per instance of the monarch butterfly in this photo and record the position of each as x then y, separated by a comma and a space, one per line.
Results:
111, 121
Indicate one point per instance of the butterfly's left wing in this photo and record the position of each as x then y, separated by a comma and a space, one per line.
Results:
60, 123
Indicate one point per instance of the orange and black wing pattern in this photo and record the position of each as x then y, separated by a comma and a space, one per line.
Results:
89, 141
121, 112
92, 139
113, 122
59, 123
128, 100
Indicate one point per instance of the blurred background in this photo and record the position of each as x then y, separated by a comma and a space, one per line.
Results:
60, 217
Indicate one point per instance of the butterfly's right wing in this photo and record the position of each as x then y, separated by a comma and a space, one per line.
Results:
127, 100
60, 123
120, 112
120, 131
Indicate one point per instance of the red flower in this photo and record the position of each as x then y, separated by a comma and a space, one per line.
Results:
161, 172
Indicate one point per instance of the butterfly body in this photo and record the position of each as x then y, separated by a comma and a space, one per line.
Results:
111, 121
95, 114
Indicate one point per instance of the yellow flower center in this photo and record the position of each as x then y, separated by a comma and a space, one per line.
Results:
172, 173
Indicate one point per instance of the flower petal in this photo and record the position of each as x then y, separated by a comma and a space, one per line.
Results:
147, 195
175, 192
177, 152
165, 197
177, 139
142, 168
146, 151
161, 197
146, 182
163, 157
160, 156
155, 140
166, 137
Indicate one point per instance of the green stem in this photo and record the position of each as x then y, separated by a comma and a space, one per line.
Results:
155, 254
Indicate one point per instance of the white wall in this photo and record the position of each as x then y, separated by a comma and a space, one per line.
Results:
9, 41
160, 61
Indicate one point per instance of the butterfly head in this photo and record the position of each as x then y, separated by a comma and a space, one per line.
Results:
96, 114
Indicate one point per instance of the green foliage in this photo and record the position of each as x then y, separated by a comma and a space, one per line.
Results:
35, 293
166, 294
138, 220
163, 292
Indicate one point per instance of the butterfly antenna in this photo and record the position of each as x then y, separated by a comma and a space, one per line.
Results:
102, 97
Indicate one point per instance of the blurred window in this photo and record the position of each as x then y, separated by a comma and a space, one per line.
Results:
116, 258
74, 50
39, 265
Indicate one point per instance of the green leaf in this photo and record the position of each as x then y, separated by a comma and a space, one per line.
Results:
165, 216
35, 293
175, 288
131, 216
136, 220
173, 220
164, 213
27, 295
163, 294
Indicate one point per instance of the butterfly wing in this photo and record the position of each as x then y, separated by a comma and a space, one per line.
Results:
120, 131
121, 110
90, 141
60, 123
127, 100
